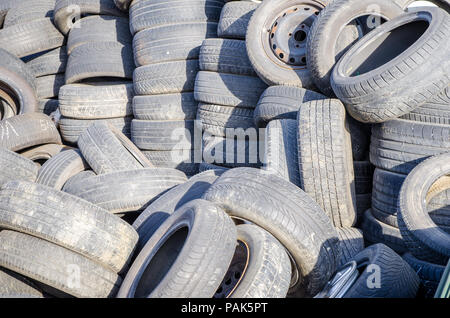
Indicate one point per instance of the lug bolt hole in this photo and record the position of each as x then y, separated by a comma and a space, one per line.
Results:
281, 55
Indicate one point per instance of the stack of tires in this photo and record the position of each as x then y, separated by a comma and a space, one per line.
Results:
166, 44
227, 89
99, 70
29, 33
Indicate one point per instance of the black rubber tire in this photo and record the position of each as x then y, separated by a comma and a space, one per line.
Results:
183, 160
48, 86
253, 195
143, 186
266, 266
323, 41
67, 221
16, 167
99, 28
377, 232
351, 242
47, 106
100, 59
217, 119
270, 69
13, 285
281, 150
435, 111
33, 37
163, 134
27, 11
71, 129
282, 102
178, 106
396, 278
107, 150
231, 152
166, 77
181, 41
195, 269
228, 89
360, 135
67, 12
52, 62
381, 88
325, 159
234, 19
50, 264
363, 176
147, 14
400, 145
424, 239
17, 84
96, 100
430, 274
225, 56
160, 209
122, 4
27, 130
57, 170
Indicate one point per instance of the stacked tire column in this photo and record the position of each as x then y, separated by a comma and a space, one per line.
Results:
166, 44
228, 89
98, 78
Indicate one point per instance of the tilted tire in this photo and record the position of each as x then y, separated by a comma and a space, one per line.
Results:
323, 38
152, 13
166, 77
225, 56
282, 102
376, 87
87, 101
281, 148
49, 264
143, 186
67, 221
280, 59
164, 206
234, 19
43, 152
57, 170
351, 242
264, 274
435, 111
21, 82
176, 106
48, 86
399, 145
255, 195
325, 159
16, 167
395, 278
13, 285
424, 239
27, 130
181, 41
197, 242
100, 59
228, 89
52, 62
67, 12
29, 38
106, 149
